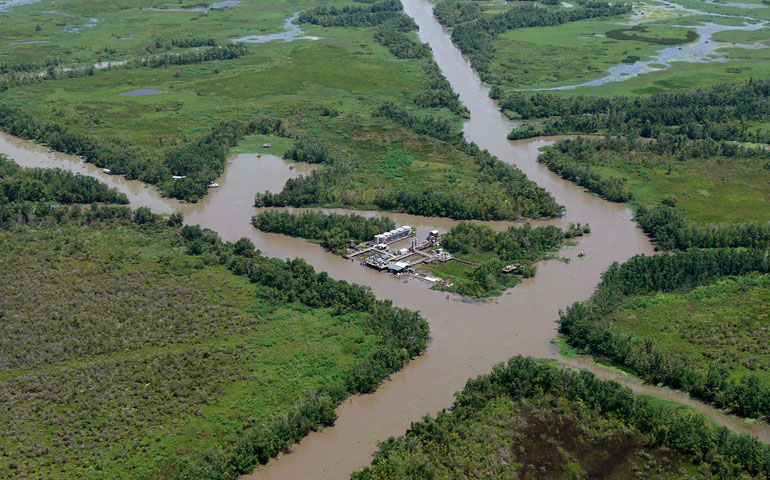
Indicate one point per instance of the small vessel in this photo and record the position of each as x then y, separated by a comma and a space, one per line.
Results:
266, 145
213, 185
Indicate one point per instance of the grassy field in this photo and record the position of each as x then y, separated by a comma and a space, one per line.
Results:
725, 323
529, 420
123, 357
346, 69
704, 190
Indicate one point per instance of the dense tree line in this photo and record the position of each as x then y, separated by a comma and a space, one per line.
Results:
309, 148
575, 161
520, 245
179, 42
524, 380
671, 231
14, 77
439, 93
199, 161
515, 244
228, 52
584, 329
393, 35
9, 67
570, 160
19, 184
333, 230
722, 112
352, 15
451, 13
474, 34
440, 128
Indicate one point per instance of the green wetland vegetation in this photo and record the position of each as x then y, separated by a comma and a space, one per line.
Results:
365, 100
529, 419
139, 348
692, 162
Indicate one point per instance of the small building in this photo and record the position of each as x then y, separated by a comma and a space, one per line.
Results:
397, 267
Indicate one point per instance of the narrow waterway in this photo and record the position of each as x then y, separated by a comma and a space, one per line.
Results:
467, 338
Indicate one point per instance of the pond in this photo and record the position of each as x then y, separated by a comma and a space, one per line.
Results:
141, 92
293, 32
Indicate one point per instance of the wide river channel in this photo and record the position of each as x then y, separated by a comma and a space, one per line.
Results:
467, 338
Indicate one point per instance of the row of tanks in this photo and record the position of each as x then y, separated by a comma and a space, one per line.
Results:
393, 235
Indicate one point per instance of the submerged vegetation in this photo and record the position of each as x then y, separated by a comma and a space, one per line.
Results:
529, 419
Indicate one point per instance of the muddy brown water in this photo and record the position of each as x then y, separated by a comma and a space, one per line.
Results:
467, 338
